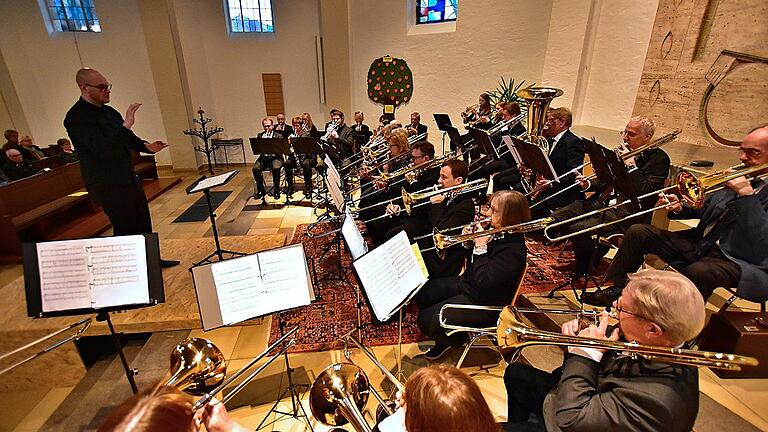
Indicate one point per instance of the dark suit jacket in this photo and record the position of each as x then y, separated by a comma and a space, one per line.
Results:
363, 128
420, 128
622, 394
286, 131
489, 278
104, 146
742, 233
460, 211
567, 155
18, 171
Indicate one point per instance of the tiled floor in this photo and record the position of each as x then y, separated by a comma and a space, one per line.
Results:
28, 410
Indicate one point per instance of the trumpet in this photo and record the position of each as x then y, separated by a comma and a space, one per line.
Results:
443, 241
329, 131
691, 189
341, 391
198, 368
512, 333
80, 327
410, 198
624, 156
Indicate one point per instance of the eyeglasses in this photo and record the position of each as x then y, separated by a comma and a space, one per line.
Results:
101, 87
417, 157
627, 133
750, 152
620, 309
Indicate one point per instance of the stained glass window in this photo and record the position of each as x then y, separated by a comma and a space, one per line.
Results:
73, 15
436, 11
250, 16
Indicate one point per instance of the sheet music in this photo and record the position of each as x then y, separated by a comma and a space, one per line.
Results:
511, 146
333, 173
390, 274
357, 245
212, 181
260, 284
93, 273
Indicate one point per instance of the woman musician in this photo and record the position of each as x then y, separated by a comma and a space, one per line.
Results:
307, 161
489, 279
478, 115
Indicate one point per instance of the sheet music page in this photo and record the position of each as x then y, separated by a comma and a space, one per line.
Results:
357, 245
93, 273
238, 287
389, 274
511, 146
333, 173
260, 284
212, 181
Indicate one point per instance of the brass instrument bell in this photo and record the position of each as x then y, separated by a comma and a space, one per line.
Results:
339, 394
198, 366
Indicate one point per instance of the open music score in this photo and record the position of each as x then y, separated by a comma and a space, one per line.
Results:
334, 184
214, 181
390, 275
352, 236
93, 273
239, 289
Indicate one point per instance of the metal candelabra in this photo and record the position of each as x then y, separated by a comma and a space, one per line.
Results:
204, 134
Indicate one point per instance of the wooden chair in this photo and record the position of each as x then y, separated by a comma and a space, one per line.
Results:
486, 335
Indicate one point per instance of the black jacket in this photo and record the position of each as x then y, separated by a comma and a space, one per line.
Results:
268, 158
286, 131
16, 171
489, 279
459, 211
567, 155
104, 145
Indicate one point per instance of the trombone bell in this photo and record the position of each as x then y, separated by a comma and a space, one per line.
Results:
339, 395
198, 366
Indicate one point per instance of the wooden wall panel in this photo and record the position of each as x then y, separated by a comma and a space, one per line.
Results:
273, 93
686, 62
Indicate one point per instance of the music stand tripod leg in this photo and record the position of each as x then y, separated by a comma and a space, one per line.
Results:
219, 252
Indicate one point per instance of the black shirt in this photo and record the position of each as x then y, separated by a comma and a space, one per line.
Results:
103, 144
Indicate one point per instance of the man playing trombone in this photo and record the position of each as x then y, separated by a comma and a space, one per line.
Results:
648, 171
604, 390
726, 249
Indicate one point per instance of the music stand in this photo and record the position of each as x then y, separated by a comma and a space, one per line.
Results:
535, 158
205, 184
84, 286
307, 146
483, 141
443, 121
270, 147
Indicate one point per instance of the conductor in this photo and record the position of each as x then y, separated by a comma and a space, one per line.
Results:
104, 141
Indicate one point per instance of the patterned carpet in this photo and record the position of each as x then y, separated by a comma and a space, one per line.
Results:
325, 320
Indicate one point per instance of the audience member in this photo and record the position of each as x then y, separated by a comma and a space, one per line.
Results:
29, 150
67, 154
16, 167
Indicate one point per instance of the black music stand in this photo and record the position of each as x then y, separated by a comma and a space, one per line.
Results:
483, 141
443, 122
270, 146
33, 287
204, 185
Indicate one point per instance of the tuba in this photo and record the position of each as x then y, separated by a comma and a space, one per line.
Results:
537, 100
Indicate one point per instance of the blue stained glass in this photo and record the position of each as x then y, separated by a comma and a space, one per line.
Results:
436, 11
73, 15
250, 16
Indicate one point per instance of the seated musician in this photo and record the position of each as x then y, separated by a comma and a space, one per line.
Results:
271, 162
306, 121
595, 390
504, 169
281, 127
359, 126
307, 161
164, 408
497, 262
440, 398
416, 127
648, 172
726, 249
66, 153
421, 153
479, 115
16, 167
341, 137
566, 152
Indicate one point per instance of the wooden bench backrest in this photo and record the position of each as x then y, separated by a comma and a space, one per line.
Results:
26, 194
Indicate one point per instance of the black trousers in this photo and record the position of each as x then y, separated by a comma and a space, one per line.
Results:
707, 270
448, 290
126, 207
274, 165
584, 245
526, 389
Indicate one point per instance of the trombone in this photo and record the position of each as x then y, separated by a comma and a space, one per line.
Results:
443, 241
624, 156
81, 326
512, 333
198, 368
691, 189
341, 391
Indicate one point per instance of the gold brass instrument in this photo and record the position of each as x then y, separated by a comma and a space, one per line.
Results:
687, 186
537, 99
624, 156
80, 327
410, 198
455, 228
412, 172
198, 368
339, 394
512, 333
443, 241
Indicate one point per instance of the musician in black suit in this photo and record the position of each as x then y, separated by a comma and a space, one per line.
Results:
726, 249
599, 390
504, 169
104, 141
566, 152
647, 172
271, 162
281, 127
416, 127
497, 261
359, 126
341, 137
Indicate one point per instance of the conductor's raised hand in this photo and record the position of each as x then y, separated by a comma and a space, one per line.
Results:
130, 115
155, 146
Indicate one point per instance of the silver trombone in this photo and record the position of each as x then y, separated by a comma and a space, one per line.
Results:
81, 327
